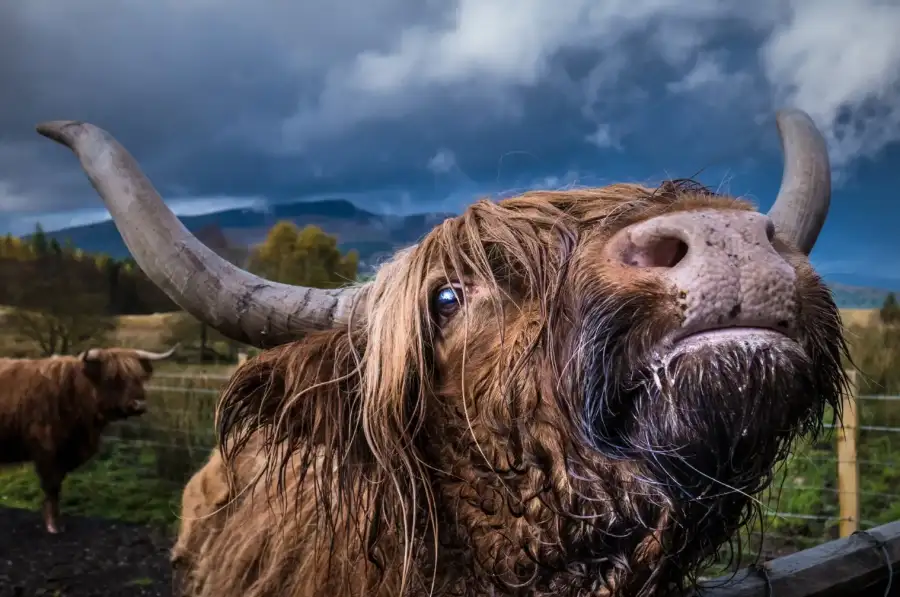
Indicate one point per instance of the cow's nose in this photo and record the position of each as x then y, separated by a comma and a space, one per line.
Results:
721, 264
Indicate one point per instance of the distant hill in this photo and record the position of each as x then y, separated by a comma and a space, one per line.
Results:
857, 297
374, 236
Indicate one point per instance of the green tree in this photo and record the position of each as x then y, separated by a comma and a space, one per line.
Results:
307, 257
39, 243
55, 248
890, 310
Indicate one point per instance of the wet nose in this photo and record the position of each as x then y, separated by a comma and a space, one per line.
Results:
721, 264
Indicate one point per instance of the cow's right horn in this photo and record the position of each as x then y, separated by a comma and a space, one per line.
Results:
156, 356
802, 203
240, 305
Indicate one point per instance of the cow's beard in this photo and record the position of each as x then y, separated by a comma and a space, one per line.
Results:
705, 428
715, 421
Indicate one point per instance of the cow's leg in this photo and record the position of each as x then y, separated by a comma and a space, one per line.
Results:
51, 483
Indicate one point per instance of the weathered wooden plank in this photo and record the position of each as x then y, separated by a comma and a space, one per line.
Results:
853, 565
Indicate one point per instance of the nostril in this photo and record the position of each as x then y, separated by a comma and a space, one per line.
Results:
770, 230
661, 252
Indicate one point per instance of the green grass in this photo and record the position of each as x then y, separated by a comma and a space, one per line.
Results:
141, 582
119, 484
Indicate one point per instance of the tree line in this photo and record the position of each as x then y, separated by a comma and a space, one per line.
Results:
61, 299
38, 270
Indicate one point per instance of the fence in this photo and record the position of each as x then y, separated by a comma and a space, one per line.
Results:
862, 564
848, 482
851, 435
862, 561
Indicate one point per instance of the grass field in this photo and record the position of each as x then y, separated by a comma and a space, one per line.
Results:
860, 317
144, 463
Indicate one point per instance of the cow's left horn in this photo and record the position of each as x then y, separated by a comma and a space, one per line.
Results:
155, 356
802, 203
240, 305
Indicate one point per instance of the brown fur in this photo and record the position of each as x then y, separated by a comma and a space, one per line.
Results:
422, 453
209, 494
53, 410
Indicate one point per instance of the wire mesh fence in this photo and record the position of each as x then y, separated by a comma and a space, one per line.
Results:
145, 462
809, 501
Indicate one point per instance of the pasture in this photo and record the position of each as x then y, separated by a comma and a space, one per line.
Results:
138, 475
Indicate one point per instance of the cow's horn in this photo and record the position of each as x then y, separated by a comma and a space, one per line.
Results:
240, 305
156, 356
802, 204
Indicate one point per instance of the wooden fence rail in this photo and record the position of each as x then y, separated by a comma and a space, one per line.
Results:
862, 564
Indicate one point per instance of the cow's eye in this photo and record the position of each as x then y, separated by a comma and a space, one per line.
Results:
447, 300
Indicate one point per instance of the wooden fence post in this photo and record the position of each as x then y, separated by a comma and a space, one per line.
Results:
848, 467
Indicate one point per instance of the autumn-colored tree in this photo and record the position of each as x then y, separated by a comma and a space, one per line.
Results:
29, 278
307, 257
39, 244
12, 247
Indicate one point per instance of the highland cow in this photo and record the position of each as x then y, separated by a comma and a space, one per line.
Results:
574, 392
53, 410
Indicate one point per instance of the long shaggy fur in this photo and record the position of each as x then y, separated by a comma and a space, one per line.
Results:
53, 410
532, 443
210, 494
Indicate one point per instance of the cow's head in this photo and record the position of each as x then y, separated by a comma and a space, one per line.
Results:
118, 376
579, 388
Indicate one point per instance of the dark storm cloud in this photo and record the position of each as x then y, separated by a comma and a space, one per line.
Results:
224, 98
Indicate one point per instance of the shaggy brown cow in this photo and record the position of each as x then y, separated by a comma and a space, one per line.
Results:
53, 410
569, 392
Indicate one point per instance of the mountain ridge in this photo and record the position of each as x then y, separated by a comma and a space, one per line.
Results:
373, 235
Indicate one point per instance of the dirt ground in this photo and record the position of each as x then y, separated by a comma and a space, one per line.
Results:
92, 557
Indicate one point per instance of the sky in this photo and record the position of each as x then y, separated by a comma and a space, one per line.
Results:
424, 105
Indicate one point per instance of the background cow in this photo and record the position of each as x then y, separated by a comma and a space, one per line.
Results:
569, 392
53, 410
